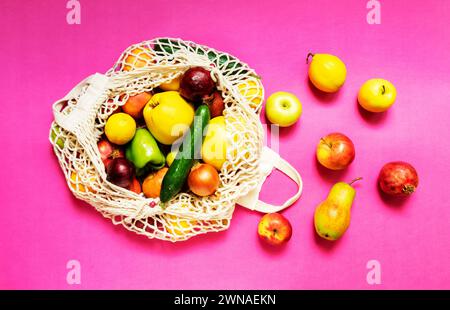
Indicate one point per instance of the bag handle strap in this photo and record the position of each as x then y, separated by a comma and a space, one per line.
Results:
270, 160
96, 86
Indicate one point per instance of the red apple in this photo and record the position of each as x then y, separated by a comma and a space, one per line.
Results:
274, 229
335, 151
109, 151
105, 148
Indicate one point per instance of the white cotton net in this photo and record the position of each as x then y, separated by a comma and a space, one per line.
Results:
79, 123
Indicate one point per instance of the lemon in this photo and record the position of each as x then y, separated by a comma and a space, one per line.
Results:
179, 226
120, 128
251, 89
171, 85
327, 72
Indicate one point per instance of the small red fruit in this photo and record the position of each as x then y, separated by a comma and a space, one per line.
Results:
274, 229
135, 186
335, 151
215, 104
196, 83
109, 151
398, 179
120, 172
105, 148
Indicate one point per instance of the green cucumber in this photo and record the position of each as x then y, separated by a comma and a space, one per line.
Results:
189, 151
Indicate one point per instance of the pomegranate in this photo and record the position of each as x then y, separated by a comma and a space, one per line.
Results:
398, 179
196, 84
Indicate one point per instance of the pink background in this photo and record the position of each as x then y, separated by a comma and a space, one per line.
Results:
42, 226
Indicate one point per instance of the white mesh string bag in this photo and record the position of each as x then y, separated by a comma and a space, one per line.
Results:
79, 123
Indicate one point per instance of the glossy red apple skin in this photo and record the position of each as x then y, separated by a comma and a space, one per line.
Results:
335, 151
398, 179
274, 229
105, 148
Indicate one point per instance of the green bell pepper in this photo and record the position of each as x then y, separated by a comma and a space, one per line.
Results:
144, 153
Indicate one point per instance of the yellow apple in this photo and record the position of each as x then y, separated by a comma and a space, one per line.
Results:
377, 95
283, 109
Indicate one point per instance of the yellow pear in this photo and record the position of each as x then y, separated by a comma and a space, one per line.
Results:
332, 216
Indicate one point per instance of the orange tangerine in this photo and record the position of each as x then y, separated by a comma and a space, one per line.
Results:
76, 184
137, 58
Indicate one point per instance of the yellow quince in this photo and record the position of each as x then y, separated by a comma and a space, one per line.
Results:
168, 116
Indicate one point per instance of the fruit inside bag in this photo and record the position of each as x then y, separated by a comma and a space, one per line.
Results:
122, 140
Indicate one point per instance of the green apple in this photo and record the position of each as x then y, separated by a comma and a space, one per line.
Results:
283, 109
377, 95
